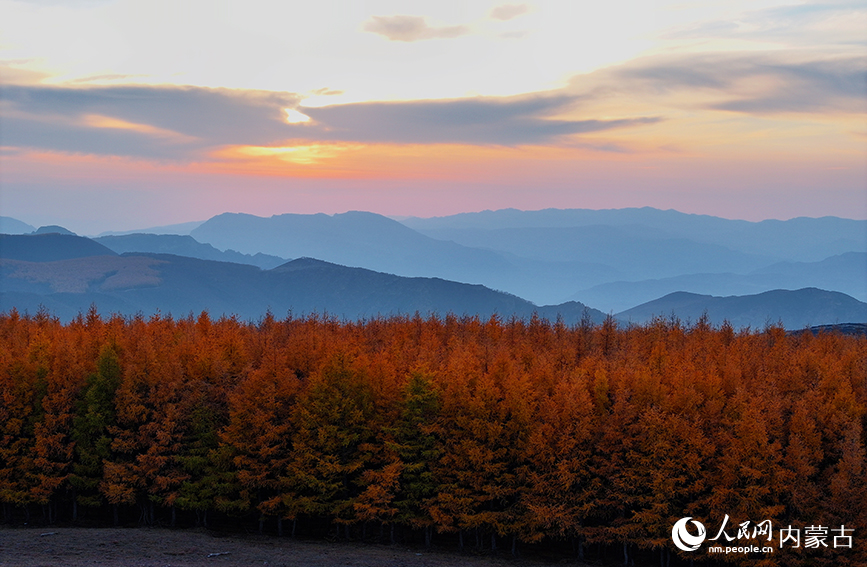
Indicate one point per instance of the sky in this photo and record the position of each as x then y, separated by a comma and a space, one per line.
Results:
125, 114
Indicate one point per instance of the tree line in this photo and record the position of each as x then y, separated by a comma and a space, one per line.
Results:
487, 434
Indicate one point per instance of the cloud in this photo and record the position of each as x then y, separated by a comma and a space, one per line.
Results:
812, 87
141, 121
796, 25
509, 11
411, 28
508, 121
325, 91
12, 75
191, 123
105, 77
750, 84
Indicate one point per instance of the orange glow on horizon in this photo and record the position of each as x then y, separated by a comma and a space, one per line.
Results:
392, 161
302, 154
654, 148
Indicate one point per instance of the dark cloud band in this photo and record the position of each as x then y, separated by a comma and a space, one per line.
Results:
482, 121
751, 84
183, 123
60, 118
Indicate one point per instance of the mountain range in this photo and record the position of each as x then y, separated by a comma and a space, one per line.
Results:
627, 262
559, 255
846, 273
181, 245
148, 283
655, 252
797, 309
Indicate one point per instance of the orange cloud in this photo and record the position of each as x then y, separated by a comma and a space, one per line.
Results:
100, 121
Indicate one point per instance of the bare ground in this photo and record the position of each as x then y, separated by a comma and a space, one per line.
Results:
145, 547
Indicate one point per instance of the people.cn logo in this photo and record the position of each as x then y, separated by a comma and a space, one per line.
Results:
685, 540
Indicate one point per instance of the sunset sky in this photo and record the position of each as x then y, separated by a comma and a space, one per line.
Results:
116, 115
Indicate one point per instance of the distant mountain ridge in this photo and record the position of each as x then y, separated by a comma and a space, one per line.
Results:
799, 239
846, 273
715, 255
852, 329
636, 252
615, 260
8, 225
184, 246
552, 256
49, 247
357, 239
180, 229
150, 283
798, 309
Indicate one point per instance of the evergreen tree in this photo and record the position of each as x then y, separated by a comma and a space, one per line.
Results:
418, 451
332, 445
95, 414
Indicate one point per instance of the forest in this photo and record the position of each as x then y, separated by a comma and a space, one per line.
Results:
489, 435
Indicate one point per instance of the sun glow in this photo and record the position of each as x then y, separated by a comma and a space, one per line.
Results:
307, 154
295, 117
431, 107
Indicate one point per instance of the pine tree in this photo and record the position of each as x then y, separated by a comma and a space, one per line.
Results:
332, 445
417, 450
95, 415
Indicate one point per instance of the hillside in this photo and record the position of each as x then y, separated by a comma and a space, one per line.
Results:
150, 283
183, 245
371, 265
612, 259
49, 247
553, 255
798, 309
846, 273
651, 252
8, 225
356, 239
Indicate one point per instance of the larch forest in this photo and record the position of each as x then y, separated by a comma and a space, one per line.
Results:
487, 434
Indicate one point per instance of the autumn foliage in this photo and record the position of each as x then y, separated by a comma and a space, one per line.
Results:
487, 434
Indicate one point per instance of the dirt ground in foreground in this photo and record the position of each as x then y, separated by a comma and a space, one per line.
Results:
144, 547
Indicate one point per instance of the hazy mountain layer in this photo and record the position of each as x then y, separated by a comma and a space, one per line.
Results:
548, 256
657, 252
8, 225
184, 246
846, 273
612, 259
182, 229
150, 283
799, 239
353, 239
637, 252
